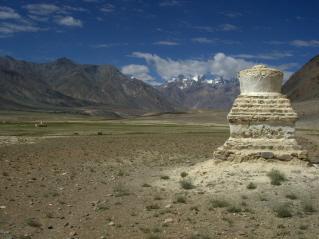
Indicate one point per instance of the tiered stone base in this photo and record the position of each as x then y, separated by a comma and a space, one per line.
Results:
248, 149
261, 126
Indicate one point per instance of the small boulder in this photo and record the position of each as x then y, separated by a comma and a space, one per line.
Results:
267, 155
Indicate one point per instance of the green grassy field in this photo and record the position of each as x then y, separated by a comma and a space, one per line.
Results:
105, 128
200, 122
23, 124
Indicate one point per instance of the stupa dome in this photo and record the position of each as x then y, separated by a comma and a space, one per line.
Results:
260, 80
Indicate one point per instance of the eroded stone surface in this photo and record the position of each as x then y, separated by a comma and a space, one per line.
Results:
262, 121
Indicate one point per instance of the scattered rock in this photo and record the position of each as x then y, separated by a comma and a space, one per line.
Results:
267, 155
111, 223
73, 233
285, 157
168, 220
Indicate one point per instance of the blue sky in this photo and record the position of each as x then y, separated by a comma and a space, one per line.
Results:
156, 40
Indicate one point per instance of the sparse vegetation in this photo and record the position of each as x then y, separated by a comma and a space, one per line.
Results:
283, 210
276, 177
146, 185
244, 204
228, 220
187, 184
308, 207
291, 196
32, 222
244, 197
263, 198
164, 177
145, 230
156, 230
194, 208
303, 227
152, 207
154, 236
180, 198
199, 236
184, 174
101, 206
234, 209
251, 185
157, 197
218, 203
120, 191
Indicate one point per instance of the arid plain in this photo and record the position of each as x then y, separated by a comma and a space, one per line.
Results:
149, 177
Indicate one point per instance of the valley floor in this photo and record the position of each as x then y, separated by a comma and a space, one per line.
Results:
148, 178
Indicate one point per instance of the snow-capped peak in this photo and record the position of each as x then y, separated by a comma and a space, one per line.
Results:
195, 78
185, 82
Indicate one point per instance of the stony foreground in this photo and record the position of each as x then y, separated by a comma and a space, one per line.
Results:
152, 186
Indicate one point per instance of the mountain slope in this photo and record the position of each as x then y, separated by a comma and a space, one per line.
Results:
304, 84
102, 84
21, 87
63, 83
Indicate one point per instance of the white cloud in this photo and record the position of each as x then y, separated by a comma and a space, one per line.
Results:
303, 43
140, 72
42, 9
222, 27
288, 69
39, 18
8, 13
13, 22
275, 42
9, 28
220, 65
107, 8
204, 28
166, 43
170, 3
205, 40
202, 40
265, 56
108, 45
232, 14
288, 66
69, 21
75, 9
228, 27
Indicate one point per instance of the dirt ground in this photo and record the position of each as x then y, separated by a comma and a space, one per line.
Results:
151, 185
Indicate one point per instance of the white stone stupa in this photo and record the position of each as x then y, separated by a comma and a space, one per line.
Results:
262, 121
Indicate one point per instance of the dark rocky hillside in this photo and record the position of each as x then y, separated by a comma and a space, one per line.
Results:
304, 84
63, 83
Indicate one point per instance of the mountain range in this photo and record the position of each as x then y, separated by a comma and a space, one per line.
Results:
200, 92
63, 85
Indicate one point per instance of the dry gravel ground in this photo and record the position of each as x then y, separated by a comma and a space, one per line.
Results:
151, 186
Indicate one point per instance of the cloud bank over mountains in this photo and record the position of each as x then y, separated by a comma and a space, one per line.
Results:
137, 71
220, 65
